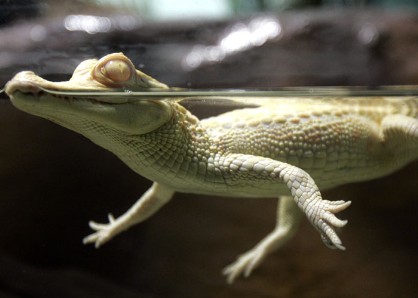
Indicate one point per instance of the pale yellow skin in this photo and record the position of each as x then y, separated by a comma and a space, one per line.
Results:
286, 148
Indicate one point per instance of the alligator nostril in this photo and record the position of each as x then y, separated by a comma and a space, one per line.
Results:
22, 86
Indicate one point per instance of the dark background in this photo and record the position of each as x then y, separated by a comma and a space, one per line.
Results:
53, 181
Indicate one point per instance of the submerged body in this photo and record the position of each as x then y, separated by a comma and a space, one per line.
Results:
287, 148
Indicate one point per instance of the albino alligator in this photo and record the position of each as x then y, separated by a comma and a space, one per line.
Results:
285, 148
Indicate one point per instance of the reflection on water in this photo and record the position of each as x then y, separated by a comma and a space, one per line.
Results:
240, 37
285, 92
97, 24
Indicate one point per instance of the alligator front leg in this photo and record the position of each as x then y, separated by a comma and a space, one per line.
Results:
305, 196
149, 203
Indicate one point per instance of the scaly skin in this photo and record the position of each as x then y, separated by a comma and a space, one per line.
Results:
286, 148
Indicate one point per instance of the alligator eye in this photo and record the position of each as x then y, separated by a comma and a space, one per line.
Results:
114, 71
117, 71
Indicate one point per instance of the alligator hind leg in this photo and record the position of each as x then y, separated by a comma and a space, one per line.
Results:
400, 132
288, 218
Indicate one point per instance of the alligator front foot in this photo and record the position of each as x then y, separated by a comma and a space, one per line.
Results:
322, 217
